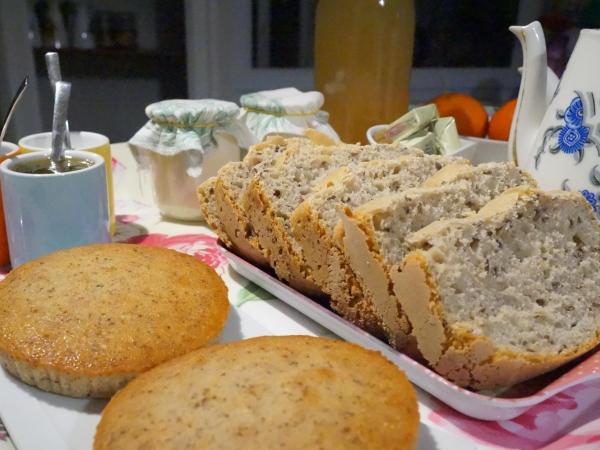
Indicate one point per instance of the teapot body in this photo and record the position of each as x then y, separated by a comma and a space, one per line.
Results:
565, 153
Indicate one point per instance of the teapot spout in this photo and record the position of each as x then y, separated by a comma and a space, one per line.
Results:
532, 100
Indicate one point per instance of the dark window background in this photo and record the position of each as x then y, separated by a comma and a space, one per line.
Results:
448, 33
452, 33
283, 33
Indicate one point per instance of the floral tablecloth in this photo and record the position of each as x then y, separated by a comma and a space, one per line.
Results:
568, 420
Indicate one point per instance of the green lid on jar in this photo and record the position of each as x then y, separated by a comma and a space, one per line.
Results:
179, 113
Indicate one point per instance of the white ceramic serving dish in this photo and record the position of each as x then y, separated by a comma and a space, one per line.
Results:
38, 420
466, 150
467, 402
487, 150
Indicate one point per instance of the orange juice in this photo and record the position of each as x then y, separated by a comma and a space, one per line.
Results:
363, 58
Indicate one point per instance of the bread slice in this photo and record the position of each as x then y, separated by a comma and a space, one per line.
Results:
271, 198
508, 293
219, 199
350, 186
220, 196
210, 212
271, 392
373, 235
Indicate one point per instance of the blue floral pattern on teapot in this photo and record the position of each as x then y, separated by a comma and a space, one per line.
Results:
591, 198
573, 135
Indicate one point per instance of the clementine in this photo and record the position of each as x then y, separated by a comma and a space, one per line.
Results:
502, 120
468, 112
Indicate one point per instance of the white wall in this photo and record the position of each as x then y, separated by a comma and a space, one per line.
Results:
16, 62
113, 107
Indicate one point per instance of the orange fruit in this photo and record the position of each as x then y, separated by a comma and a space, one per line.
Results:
468, 112
502, 120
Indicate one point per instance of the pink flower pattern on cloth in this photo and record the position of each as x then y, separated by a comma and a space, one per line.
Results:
200, 246
553, 424
127, 218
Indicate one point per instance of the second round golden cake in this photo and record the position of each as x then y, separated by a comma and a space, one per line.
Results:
84, 321
287, 392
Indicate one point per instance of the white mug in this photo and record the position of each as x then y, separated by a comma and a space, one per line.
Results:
48, 212
84, 141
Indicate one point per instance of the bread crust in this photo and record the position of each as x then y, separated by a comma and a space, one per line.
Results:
328, 266
222, 211
328, 263
379, 300
307, 230
237, 227
453, 351
313, 393
274, 240
319, 138
457, 354
447, 174
454, 172
208, 206
84, 321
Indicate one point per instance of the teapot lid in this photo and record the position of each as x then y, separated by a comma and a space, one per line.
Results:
180, 113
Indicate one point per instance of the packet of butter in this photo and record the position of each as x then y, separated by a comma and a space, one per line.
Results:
425, 141
409, 124
446, 135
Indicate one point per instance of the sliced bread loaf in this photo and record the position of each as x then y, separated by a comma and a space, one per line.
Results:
220, 196
233, 181
508, 293
313, 222
373, 235
219, 199
271, 198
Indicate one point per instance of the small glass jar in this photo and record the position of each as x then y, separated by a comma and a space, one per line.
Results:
286, 112
184, 143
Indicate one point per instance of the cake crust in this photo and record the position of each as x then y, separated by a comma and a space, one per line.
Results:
105, 312
267, 392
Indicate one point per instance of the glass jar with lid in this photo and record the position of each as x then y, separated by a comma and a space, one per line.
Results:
184, 143
285, 112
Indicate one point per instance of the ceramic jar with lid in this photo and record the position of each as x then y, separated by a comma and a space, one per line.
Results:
184, 143
287, 112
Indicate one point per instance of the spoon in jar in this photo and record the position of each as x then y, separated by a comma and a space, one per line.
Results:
12, 107
54, 75
62, 93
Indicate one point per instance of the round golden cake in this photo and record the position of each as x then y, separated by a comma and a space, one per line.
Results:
288, 392
82, 322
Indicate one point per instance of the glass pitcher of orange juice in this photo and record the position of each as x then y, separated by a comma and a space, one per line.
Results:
363, 59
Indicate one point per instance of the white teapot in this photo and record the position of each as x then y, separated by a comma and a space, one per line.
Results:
557, 138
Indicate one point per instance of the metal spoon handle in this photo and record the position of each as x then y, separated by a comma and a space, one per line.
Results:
67, 136
53, 67
11, 108
54, 75
61, 107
